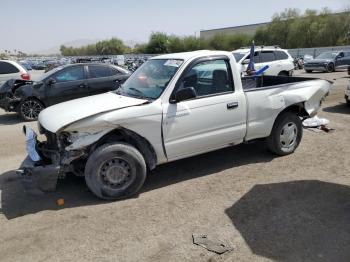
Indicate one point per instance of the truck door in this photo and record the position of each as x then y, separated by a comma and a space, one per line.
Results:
213, 119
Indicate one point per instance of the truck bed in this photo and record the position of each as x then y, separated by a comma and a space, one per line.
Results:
253, 83
266, 96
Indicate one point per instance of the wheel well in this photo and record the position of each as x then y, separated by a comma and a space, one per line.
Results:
132, 138
298, 109
284, 73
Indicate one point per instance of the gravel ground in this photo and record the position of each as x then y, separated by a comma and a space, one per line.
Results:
294, 208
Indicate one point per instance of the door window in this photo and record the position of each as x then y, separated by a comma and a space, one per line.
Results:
7, 68
267, 56
70, 74
208, 78
256, 57
97, 71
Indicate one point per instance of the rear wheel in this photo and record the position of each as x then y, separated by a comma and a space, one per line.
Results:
30, 108
286, 134
115, 171
308, 71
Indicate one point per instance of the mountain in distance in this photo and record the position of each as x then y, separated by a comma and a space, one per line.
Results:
75, 43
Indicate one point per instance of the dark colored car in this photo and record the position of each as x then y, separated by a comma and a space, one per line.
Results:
38, 66
60, 84
328, 61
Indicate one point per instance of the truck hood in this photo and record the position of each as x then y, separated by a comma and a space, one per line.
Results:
61, 115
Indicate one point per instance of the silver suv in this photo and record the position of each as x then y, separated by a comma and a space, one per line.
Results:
12, 70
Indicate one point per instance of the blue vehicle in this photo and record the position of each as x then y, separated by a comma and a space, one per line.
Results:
328, 62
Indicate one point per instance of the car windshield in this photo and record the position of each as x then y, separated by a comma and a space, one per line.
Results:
238, 56
45, 75
327, 55
151, 79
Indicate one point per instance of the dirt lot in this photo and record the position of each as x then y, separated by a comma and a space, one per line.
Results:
294, 208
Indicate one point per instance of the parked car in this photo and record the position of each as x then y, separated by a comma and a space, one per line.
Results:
26, 65
12, 70
38, 65
328, 62
347, 95
279, 60
60, 84
173, 107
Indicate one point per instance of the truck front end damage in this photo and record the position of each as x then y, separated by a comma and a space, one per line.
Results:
50, 160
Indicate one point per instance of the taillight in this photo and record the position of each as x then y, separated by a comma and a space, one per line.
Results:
25, 76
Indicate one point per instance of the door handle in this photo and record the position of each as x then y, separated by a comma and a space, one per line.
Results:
232, 105
82, 85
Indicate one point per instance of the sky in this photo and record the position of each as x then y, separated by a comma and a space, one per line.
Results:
37, 25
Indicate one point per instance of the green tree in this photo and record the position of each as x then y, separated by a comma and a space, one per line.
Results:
157, 43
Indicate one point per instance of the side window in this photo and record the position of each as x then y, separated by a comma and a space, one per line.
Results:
97, 71
209, 77
267, 56
280, 55
115, 71
256, 57
70, 74
7, 68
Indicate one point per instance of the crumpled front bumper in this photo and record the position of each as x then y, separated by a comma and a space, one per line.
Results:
37, 177
8, 102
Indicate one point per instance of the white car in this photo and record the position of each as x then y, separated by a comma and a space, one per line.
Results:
347, 95
12, 70
174, 106
280, 62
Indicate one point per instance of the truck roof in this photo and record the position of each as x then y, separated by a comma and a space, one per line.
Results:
189, 55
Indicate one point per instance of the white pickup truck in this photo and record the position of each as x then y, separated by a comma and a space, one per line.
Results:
174, 106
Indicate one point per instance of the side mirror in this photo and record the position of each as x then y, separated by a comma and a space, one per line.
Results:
185, 94
246, 62
51, 81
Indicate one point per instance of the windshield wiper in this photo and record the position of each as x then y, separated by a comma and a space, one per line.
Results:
140, 94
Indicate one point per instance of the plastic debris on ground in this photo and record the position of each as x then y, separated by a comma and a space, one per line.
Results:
211, 244
317, 124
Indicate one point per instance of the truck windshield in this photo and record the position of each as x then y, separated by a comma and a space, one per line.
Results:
151, 79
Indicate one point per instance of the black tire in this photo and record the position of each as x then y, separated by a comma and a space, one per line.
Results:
291, 122
349, 70
330, 68
283, 73
348, 103
115, 171
30, 108
308, 71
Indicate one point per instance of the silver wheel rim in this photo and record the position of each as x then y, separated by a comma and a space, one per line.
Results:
30, 109
288, 135
116, 174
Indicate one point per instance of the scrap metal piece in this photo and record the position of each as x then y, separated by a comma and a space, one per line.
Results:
211, 244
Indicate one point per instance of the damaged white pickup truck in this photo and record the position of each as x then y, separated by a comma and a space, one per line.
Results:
174, 106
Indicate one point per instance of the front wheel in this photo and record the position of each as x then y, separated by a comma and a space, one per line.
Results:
330, 68
286, 134
30, 108
115, 171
